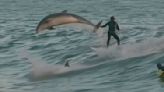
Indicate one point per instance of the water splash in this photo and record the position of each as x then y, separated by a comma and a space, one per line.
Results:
40, 69
129, 50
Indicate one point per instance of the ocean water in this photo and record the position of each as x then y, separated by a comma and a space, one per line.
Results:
31, 62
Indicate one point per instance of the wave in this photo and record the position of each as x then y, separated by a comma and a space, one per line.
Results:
129, 50
41, 70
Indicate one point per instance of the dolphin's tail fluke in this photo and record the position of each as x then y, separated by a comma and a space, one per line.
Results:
97, 26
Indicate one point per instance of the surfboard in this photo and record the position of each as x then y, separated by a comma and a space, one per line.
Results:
160, 73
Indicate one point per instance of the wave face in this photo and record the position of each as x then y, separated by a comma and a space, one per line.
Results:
31, 62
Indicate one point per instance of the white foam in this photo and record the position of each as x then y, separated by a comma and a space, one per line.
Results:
40, 69
43, 70
129, 50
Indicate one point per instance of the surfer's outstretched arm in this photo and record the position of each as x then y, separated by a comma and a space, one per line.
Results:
105, 25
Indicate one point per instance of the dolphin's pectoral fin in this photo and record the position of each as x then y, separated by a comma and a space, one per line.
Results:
50, 28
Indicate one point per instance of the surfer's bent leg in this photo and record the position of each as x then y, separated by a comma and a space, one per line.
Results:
109, 36
116, 37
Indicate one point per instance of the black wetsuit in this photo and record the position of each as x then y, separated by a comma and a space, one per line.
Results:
111, 31
160, 67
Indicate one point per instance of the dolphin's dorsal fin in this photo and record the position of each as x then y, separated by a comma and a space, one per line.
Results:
65, 11
67, 64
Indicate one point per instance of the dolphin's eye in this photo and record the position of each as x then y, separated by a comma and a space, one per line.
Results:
46, 21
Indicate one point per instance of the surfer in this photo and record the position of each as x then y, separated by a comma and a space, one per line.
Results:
160, 67
67, 64
160, 70
112, 24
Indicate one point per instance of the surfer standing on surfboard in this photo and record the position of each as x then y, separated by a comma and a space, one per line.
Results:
112, 24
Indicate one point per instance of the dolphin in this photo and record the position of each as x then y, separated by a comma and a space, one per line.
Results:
63, 18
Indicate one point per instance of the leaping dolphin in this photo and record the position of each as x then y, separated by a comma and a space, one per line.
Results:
63, 18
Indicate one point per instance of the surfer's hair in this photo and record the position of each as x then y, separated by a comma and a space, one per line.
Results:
112, 18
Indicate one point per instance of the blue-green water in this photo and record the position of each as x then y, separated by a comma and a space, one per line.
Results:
26, 57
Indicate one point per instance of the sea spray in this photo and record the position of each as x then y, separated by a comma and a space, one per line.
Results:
40, 69
129, 50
